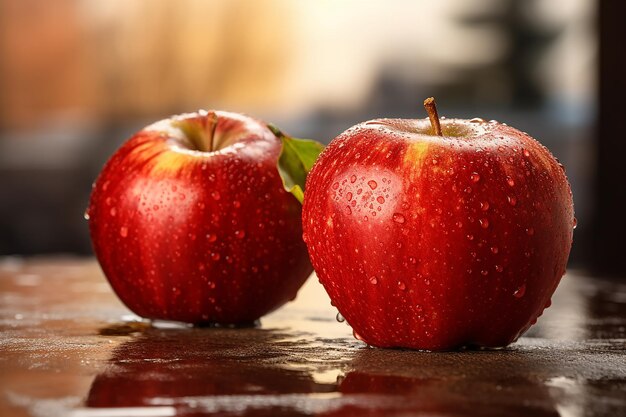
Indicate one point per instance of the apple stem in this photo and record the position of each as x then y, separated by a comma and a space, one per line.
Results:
210, 125
431, 109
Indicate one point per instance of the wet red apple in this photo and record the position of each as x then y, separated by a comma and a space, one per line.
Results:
438, 234
190, 221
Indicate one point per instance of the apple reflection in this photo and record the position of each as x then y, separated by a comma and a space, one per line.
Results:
197, 371
485, 383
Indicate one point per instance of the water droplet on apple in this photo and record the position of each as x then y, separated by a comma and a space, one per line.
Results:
484, 273
526, 153
434, 161
240, 234
494, 250
499, 268
575, 223
373, 280
236, 204
477, 120
340, 318
349, 196
510, 181
215, 256
401, 285
380, 199
413, 260
519, 293
123, 231
108, 201
335, 186
459, 224
398, 218
484, 223
474, 177
373, 184
484, 205
348, 210
512, 200
468, 190
530, 231
216, 195
470, 237
113, 212
353, 179
86, 215
211, 237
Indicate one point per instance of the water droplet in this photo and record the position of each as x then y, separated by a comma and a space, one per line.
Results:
574, 224
335, 186
348, 210
484, 273
398, 218
484, 205
358, 336
499, 268
401, 285
359, 191
413, 260
211, 237
215, 256
373, 184
86, 215
380, 199
526, 153
477, 120
349, 196
123, 231
494, 250
484, 223
434, 161
236, 204
474, 177
468, 190
530, 231
512, 200
113, 212
470, 237
240, 234
459, 224
216, 195
353, 179
373, 280
519, 293
510, 181
340, 318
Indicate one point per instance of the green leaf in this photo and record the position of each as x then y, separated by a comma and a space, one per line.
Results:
296, 160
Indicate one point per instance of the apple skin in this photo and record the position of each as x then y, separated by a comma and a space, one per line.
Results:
438, 243
199, 237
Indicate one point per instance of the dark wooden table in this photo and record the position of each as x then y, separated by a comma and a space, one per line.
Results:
68, 347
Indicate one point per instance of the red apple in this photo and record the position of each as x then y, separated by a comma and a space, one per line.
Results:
190, 221
434, 241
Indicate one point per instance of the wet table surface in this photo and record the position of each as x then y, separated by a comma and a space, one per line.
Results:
68, 347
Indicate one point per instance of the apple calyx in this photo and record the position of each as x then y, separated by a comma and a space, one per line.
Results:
200, 131
431, 109
296, 159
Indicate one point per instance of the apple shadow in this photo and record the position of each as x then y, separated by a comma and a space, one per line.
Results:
200, 371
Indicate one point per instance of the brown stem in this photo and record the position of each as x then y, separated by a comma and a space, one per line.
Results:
210, 125
431, 109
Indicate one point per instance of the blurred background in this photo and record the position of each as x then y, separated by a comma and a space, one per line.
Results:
78, 77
